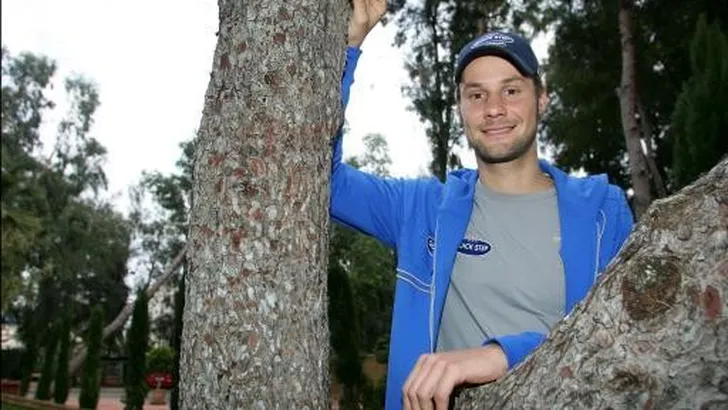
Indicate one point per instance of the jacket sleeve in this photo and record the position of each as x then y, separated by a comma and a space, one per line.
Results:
518, 347
365, 202
622, 222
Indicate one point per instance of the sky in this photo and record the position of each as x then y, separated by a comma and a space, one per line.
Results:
151, 61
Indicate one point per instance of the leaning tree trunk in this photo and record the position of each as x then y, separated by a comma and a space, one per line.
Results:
121, 318
255, 333
653, 334
628, 98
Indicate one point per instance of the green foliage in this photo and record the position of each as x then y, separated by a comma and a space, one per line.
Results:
160, 360
344, 336
24, 79
137, 343
12, 360
698, 126
68, 244
435, 31
162, 232
61, 386
360, 283
583, 122
43, 391
91, 377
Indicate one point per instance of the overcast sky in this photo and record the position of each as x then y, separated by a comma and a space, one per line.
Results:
151, 61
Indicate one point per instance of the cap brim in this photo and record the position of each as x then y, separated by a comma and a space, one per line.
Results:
498, 52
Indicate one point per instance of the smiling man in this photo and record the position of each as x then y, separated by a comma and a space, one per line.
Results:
492, 258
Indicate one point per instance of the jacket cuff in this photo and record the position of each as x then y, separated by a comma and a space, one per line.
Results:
517, 347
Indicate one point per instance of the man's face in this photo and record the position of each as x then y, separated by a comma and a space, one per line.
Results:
499, 109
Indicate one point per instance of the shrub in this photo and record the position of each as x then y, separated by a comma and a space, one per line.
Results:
160, 360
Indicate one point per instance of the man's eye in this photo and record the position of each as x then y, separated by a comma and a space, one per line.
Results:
512, 91
476, 96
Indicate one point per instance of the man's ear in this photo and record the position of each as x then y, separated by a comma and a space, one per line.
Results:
543, 99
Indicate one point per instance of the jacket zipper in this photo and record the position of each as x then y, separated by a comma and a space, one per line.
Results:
434, 290
600, 233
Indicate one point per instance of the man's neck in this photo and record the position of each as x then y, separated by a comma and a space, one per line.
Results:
518, 177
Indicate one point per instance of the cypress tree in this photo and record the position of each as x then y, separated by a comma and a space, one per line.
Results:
343, 338
62, 385
179, 304
30, 353
700, 119
91, 378
137, 344
43, 392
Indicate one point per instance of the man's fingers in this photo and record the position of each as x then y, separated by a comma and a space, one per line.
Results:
427, 383
408, 398
445, 386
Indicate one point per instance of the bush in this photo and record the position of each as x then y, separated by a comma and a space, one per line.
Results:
160, 360
12, 360
91, 378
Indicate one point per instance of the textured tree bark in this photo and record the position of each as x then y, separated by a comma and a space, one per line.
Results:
653, 333
116, 324
628, 98
255, 333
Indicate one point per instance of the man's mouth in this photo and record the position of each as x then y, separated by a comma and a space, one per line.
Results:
498, 131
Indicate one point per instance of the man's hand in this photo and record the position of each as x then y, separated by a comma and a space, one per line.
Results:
364, 17
436, 375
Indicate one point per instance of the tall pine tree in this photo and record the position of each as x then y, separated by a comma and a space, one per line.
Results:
700, 119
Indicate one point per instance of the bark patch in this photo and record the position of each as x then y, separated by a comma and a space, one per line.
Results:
650, 288
712, 302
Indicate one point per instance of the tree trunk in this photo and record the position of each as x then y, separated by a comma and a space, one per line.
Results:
628, 106
255, 333
122, 317
647, 137
653, 334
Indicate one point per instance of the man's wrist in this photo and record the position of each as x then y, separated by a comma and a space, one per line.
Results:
355, 42
496, 362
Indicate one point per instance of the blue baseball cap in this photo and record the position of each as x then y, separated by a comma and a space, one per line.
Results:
509, 46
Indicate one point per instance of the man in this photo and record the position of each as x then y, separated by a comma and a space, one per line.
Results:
491, 259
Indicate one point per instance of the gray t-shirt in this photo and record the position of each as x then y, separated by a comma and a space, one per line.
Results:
508, 277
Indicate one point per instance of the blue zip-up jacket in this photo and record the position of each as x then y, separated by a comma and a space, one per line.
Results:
412, 214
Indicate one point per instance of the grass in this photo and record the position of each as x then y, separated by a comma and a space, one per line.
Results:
6, 406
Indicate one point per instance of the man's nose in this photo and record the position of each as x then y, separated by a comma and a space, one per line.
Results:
494, 106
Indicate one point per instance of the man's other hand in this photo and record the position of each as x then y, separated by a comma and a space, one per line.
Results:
435, 376
364, 16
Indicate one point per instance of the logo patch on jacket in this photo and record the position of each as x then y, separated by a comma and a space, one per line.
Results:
473, 247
